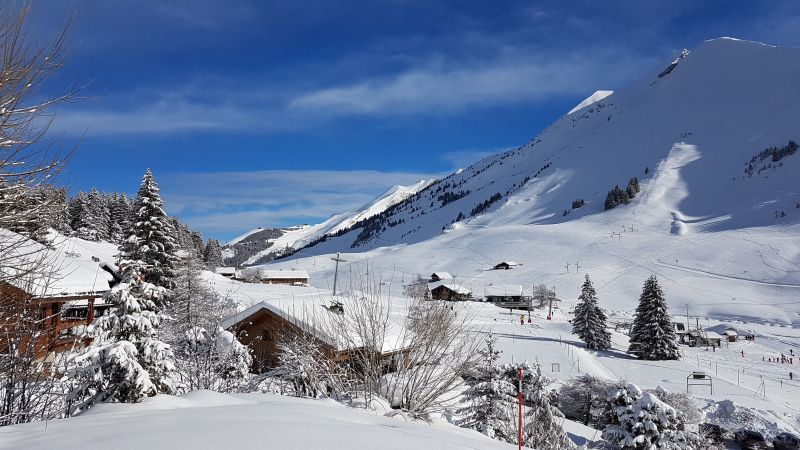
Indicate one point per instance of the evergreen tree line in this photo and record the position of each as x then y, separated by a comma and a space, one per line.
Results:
109, 216
618, 196
774, 154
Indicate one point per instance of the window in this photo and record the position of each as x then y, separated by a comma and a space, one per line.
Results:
266, 335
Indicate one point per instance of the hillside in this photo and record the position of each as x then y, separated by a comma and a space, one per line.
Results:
717, 222
265, 244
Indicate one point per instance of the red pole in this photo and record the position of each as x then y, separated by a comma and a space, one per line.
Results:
519, 396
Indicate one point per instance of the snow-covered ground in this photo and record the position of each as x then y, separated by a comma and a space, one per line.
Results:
208, 420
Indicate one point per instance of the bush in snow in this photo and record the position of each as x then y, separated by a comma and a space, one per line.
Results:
685, 407
652, 335
590, 320
584, 399
302, 363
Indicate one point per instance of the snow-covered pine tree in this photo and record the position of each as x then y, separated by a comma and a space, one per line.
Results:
126, 361
98, 217
150, 239
590, 320
652, 335
491, 398
119, 217
213, 254
541, 428
648, 423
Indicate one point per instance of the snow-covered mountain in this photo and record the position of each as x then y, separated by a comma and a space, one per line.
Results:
265, 244
707, 136
728, 99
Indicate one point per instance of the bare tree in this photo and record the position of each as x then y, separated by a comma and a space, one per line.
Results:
439, 350
28, 163
206, 355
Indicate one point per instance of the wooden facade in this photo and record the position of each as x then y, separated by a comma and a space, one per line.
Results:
450, 293
40, 325
263, 330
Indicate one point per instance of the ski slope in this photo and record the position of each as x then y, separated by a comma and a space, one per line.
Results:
710, 232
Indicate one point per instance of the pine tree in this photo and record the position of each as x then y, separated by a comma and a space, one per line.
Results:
649, 423
119, 217
150, 238
542, 427
213, 254
590, 320
491, 398
126, 361
652, 335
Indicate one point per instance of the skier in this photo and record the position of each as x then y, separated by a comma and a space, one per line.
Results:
522, 319
742, 353
791, 376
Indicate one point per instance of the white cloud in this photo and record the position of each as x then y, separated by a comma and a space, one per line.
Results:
230, 202
444, 88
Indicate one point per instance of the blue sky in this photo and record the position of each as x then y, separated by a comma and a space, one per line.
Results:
271, 113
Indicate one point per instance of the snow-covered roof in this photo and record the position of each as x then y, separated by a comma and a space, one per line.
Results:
225, 270
68, 266
503, 290
455, 287
714, 335
731, 332
266, 274
508, 263
441, 276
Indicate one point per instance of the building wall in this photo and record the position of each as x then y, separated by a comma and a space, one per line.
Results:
284, 280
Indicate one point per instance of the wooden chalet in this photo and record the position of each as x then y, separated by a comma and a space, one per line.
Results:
507, 265
440, 276
45, 325
263, 327
449, 291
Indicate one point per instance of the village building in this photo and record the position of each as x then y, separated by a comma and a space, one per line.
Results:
731, 334
268, 276
227, 272
46, 313
449, 291
440, 276
263, 326
506, 265
507, 296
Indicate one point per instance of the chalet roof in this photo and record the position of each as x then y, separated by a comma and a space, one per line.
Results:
455, 287
316, 318
225, 270
67, 267
499, 290
731, 332
441, 276
266, 274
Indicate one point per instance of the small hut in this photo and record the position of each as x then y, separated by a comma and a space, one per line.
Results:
440, 276
507, 265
